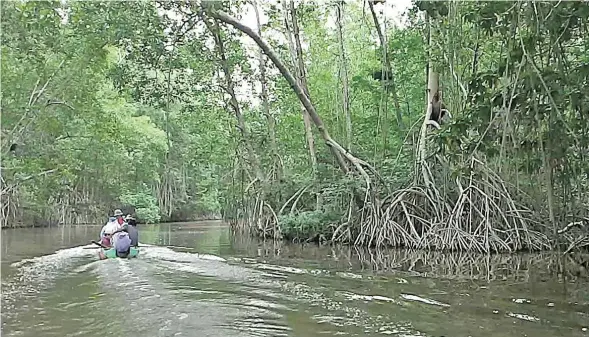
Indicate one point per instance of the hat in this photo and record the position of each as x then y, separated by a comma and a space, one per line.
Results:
118, 212
129, 217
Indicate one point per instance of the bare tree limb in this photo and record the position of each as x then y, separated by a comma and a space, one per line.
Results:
289, 78
388, 67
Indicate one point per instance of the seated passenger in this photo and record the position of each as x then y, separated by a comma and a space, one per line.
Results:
132, 230
119, 216
105, 240
107, 230
122, 243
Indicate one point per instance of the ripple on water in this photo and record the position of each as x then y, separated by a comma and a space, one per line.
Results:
38, 273
523, 317
353, 296
345, 316
423, 300
254, 305
164, 253
166, 304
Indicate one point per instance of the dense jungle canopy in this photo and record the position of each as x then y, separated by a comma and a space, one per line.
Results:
310, 121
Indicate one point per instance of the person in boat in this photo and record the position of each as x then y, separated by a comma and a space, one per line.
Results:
114, 223
131, 228
105, 240
107, 231
121, 243
119, 216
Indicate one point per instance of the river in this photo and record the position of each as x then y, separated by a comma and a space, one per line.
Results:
197, 279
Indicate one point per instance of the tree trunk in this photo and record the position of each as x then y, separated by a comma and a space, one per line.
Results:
336, 149
165, 199
433, 80
265, 104
386, 64
344, 76
254, 162
298, 67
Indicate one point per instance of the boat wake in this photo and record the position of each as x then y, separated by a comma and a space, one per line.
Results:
33, 275
165, 253
38, 273
182, 292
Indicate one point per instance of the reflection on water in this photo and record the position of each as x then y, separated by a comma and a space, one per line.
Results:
199, 280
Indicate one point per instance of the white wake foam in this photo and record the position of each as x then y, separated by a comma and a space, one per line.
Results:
164, 253
39, 272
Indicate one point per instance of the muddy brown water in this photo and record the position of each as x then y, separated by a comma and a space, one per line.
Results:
198, 279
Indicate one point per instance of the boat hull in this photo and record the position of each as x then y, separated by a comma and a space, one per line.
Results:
112, 254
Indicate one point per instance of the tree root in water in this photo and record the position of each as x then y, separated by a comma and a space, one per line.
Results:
476, 214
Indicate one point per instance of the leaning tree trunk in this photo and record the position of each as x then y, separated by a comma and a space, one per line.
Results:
254, 162
336, 149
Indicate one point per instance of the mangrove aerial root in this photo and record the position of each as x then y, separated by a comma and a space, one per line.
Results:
475, 212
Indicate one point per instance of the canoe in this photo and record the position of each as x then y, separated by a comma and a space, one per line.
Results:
111, 253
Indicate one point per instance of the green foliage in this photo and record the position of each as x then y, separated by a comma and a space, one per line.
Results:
145, 204
124, 103
522, 110
307, 224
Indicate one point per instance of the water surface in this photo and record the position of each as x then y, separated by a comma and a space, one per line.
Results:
199, 280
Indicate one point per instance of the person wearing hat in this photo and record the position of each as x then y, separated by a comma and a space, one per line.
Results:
119, 215
125, 237
132, 230
114, 224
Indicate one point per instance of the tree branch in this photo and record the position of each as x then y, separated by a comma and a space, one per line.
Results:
289, 78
